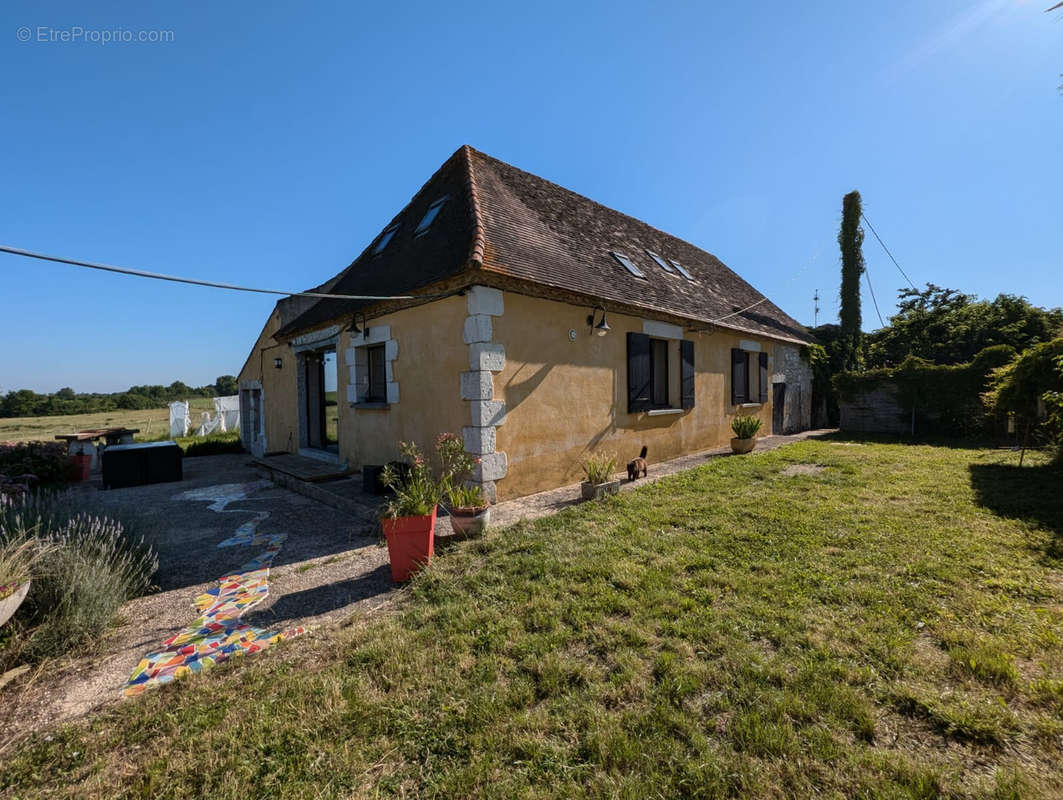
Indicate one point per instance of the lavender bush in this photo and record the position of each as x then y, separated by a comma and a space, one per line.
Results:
85, 566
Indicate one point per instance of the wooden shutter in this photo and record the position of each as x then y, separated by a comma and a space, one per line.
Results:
763, 377
739, 380
638, 372
686, 373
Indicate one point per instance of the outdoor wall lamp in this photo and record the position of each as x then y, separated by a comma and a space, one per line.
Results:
602, 327
278, 363
364, 330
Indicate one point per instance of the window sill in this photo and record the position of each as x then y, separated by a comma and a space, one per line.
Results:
660, 412
363, 406
750, 405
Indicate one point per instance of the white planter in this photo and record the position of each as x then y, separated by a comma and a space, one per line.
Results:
9, 605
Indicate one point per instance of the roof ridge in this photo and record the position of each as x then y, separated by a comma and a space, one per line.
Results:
479, 239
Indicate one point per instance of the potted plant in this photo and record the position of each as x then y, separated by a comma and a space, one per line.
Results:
469, 512
465, 501
409, 517
599, 471
745, 433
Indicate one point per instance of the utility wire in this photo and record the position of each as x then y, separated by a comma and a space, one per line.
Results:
898, 266
867, 274
139, 273
793, 278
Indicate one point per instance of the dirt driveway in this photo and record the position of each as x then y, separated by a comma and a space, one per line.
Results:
330, 566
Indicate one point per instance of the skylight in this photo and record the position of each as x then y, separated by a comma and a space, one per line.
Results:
429, 216
627, 264
660, 261
682, 271
385, 237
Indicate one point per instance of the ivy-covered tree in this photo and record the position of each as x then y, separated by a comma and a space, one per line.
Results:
850, 240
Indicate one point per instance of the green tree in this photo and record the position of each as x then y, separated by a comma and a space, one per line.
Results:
946, 326
226, 385
850, 240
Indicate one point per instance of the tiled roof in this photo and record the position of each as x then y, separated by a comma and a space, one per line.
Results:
501, 222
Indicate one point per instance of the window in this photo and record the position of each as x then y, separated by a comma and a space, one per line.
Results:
385, 237
653, 366
682, 271
659, 373
660, 261
627, 264
749, 376
377, 371
429, 216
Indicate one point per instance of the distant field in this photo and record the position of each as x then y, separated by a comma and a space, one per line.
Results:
152, 423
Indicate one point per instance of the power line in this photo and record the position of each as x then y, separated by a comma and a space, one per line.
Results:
867, 274
139, 273
898, 266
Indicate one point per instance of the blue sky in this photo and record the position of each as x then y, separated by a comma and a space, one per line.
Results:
268, 145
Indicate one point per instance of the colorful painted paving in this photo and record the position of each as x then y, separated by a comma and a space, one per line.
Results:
218, 634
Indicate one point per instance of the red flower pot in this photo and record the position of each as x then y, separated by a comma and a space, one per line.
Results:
80, 466
411, 543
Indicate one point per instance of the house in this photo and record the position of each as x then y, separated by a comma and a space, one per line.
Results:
541, 325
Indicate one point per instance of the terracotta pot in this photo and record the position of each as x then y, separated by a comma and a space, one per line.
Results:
743, 445
469, 521
411, 543
9, 605
80, 467
592, 491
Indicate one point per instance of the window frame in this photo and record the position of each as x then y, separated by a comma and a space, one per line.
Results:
431, 214
385, 238
628, 264
371, 372
657, 363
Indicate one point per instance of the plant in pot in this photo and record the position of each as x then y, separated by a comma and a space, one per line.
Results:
409, 517
466, 504
469, 511
599, 470
745, 433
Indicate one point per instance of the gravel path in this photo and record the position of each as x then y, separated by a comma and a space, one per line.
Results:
331, 566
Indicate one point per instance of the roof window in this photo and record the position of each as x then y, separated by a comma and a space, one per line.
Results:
429, 216
627, 264
682, 271
385, 237
660, 261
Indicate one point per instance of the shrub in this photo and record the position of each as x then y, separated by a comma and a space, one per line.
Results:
48, 461
745, 427
599, 468
85, 566
949, 396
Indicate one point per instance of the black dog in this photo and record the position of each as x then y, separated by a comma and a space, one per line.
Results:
637, 465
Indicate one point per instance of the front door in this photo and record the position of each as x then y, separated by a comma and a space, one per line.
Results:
778, 405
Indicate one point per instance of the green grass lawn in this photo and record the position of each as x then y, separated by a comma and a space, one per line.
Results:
889, 627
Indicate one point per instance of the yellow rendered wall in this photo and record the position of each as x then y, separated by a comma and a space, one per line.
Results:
279, 393
566, 399
431, 358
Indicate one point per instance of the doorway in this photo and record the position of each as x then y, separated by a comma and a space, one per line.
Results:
778, 408
319, 411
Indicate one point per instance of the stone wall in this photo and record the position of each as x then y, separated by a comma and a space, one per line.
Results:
876, 411
796, 373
